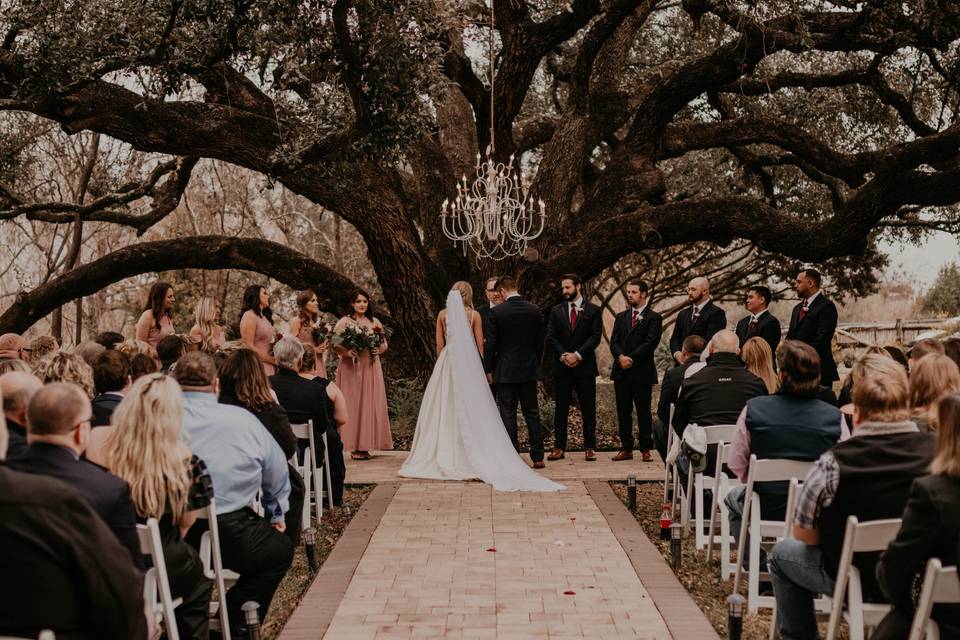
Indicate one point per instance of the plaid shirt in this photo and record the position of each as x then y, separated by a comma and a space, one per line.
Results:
820, 487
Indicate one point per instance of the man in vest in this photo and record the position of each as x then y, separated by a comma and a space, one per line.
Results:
792, 424
867, 476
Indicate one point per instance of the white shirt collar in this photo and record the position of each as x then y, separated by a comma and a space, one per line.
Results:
756, 316
639, 310
578, 303
698, 308
810, 300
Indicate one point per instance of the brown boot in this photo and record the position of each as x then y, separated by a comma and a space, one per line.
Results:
556, 454
623, 455
647, 456
590, 455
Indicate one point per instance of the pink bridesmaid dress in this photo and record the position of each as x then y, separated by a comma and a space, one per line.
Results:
155, 335
263, 342
306, 337
368, 425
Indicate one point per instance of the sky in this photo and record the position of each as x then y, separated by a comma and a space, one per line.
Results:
921, 263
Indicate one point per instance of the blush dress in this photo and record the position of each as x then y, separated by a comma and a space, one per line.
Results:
306, 337
156, 335
361, 381
263, 342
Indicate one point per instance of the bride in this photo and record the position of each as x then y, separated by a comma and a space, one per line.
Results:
460, 435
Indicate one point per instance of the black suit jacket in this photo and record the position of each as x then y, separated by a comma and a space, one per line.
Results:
817, 329
717, 393
18, 438
302, 399
712, 319
639, 343
109, 494
583, 339
103, 406
514, 346
55, 544
670, 388
768, 328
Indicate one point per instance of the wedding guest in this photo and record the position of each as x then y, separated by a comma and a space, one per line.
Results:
867, 476
702, 318
12, 346
574, 330
206, 331
140, 365
169, 350
144, 448
8, 365
693, 346
307, 323
337, 407
933, 376
758, 358
486, 310
922, 348
156, 321
67, 367
111, 378
951, 347
360, 377
109, 339
814, 321
66, 571
897, 354
17, 389
930, 529
58, 429
845, 398
760, 323
135, 347
243, 384
243, 461
41, 347
89, 350
256, 325
636, 335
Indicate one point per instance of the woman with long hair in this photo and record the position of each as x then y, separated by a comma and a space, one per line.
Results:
256, 325
756, 354
360, 377
156, 321
932, 377
930, 529
244, 384
66, 367
303, 327
206, 332
144, 447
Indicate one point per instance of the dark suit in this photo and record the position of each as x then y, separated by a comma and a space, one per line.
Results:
486, 313
669, 390
62, 568
18, 438
711, 320
514, 349
817, 329
583, 339
103, 407
633, 387
766, 327
109, 494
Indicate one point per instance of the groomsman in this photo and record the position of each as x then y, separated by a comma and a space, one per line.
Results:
636, 334
573, 334
760, 323
486, 313
702, 318
814, 321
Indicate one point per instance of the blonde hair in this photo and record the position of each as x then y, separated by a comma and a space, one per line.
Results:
205, 314
881, 391
932, 376
144, 447
946, 459
131, 348
757, 356
14, 364
66, 367
466, 292
43, 346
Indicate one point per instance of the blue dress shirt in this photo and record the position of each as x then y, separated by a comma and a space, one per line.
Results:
241, 455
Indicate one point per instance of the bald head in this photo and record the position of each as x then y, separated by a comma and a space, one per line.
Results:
56, 410
18, 389
725, 341
698, 290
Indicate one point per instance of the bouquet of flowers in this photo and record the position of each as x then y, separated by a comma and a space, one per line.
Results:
376, 338
352, 338
322, 331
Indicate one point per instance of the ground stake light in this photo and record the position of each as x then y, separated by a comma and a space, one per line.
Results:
632, 492
735, 606
676, 549
251, 616
310, 540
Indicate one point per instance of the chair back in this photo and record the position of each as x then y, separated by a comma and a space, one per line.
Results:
940, 586
156, 584
716, 433
210, 555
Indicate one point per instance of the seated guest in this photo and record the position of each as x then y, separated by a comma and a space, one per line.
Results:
140, 365
922, 348
13, 346
8, 365
845, 399
931, 527
111, 378
758, 358
41, 347
306, 400
17, 389
144, 448
133, 347
792, 424
951, 348
933, 376
867, 476
109, 339
670, 387
242, 460
897, 354
67, 367
71, 575
312, 369
88, 350
169, 350
244, 384
58, 427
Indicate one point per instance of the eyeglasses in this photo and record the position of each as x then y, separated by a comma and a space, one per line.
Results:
491, 290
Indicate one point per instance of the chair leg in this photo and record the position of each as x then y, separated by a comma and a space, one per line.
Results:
326, 469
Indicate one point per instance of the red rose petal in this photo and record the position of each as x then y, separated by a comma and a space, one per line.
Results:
492, 549
569, 593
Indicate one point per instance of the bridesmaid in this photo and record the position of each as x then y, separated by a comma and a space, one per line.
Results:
360, 378
156, 321
302, 327
256, 325
206, 332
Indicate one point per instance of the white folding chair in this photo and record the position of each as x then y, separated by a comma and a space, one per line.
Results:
859, 537
793, 492
696, 483
156, 584
668, 468
762, 532
213, 568
304, 431
720, 513
940, 586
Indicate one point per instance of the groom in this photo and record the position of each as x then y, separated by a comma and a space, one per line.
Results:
513, 350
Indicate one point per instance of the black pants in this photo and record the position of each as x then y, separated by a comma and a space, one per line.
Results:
631, 393
660, 438
259, 553
586, 388
185, 573
294, 517
338, 470
509, 394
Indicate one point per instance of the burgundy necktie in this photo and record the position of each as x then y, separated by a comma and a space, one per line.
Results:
634, 318
751, 327
573, 316
803, 311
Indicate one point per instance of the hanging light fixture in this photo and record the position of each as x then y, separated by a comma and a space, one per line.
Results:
490, 215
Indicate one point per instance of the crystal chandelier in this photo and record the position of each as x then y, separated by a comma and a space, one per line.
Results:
490, 216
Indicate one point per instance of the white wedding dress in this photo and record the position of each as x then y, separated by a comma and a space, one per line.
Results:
460, 435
